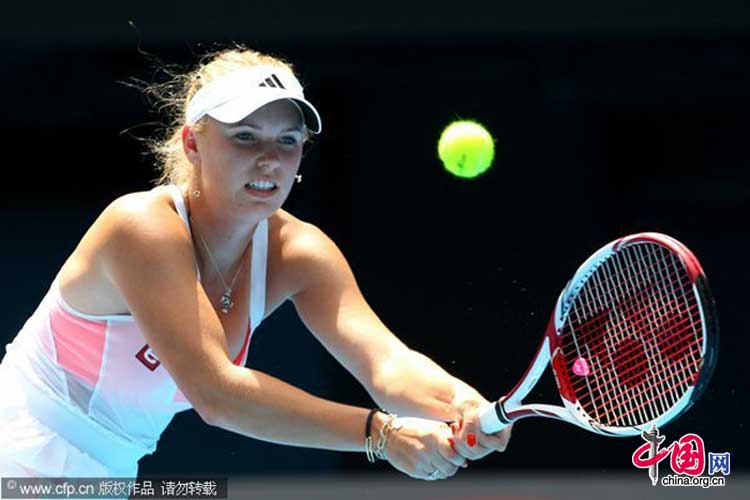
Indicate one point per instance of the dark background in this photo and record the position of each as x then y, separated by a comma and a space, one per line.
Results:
608, 119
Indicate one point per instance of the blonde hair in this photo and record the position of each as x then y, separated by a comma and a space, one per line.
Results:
173, 98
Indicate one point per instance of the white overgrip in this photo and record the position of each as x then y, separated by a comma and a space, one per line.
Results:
489, 420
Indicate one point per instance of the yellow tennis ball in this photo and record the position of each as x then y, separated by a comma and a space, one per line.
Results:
466, 149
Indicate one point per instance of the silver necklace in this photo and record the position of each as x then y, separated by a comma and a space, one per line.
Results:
226, 298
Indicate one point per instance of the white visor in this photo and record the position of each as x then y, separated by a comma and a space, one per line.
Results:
232, 97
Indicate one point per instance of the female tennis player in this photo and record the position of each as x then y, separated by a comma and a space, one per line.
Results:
153, 311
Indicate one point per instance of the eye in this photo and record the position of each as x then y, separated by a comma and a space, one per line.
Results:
289, 140
244, 136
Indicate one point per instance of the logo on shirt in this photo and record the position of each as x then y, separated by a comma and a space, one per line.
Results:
148, 358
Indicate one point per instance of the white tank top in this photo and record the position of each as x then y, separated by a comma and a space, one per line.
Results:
95, 380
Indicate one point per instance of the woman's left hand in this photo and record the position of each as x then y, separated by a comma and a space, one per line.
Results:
468, 438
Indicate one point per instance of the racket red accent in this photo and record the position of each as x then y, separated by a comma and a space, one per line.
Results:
562, 377
550, 334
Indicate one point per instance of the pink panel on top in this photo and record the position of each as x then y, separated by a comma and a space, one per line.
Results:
79, 344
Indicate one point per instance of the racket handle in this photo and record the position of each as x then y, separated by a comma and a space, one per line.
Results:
493, 419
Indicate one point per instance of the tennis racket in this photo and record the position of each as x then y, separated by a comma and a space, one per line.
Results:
632, 341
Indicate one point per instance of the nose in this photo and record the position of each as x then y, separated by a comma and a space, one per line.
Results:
269, 156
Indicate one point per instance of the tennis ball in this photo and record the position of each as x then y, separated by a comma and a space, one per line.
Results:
466, 149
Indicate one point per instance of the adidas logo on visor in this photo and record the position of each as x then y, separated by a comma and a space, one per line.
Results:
231, 97
272, 81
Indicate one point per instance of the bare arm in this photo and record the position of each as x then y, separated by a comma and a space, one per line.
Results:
398, 378
147, 255
412, 383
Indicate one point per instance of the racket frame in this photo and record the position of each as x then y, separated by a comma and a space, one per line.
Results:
510, 407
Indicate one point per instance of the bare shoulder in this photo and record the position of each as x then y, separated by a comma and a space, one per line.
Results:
299, 252
143, 217
130, 224
297, 238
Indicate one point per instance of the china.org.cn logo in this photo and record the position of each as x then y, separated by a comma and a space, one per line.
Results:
687, 457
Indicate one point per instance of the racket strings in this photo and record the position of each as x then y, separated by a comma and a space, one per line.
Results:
590, 328
626, 396
637, 322
625, 286
600, 321
593, 327
674, 330
635, 363
661, 390
667, 342
608, 392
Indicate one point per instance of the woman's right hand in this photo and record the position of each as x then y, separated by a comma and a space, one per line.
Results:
422, 449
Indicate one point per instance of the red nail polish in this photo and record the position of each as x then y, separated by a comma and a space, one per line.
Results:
471, 440
454, 429
460, 424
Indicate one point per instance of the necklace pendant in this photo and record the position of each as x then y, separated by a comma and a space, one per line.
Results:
226, 301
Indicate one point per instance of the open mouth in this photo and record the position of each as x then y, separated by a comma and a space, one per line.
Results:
261, 187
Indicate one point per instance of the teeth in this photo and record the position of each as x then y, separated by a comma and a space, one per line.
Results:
262, 185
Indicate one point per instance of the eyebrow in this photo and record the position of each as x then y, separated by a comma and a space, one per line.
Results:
256, 127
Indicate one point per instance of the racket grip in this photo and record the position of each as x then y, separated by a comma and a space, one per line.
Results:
493, 419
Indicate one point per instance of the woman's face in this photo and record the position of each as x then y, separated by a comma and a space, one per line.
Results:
252, 164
